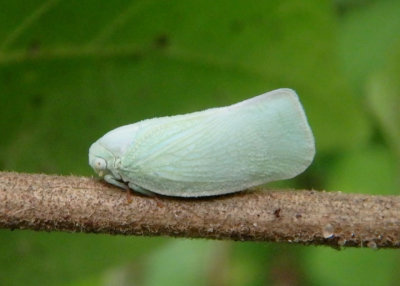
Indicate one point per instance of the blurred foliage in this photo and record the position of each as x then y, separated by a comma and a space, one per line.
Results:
72, 70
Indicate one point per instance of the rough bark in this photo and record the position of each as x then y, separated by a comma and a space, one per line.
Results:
79, 204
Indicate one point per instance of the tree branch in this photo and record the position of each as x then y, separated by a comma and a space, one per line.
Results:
79, 204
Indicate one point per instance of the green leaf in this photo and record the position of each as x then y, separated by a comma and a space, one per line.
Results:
368, 34
351, 266
370, 170
34, 258
191, 262
383, 91
71, 71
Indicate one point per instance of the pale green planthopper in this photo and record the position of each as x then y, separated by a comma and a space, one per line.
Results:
212, 152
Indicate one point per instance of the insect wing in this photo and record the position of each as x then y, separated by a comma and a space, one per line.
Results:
223, 150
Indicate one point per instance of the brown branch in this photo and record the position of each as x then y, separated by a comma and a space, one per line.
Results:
69, 203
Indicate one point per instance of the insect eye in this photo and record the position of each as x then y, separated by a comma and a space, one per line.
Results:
100, 163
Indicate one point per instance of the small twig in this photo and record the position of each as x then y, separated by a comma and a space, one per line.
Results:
78, 204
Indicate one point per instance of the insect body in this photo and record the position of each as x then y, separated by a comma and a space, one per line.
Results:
211, 152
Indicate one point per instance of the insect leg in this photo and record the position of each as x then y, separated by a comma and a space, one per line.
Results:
110, 179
